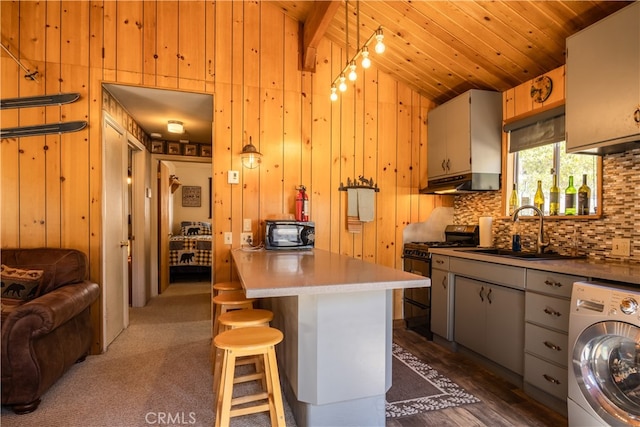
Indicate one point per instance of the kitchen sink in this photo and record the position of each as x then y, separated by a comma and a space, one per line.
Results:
532, 256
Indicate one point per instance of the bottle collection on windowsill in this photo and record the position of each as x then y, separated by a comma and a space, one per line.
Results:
576, 202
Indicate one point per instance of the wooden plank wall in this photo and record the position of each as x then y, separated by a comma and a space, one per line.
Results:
246, 54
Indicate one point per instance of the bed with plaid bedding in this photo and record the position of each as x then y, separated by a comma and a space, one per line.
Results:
190, 250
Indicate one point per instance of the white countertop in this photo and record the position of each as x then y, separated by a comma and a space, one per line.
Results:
592, 269
277, 273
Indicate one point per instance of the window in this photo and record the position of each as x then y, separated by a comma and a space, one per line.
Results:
537, 153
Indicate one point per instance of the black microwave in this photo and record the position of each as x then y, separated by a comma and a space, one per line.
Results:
286, 234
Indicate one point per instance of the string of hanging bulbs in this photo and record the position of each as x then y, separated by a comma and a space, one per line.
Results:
350, 69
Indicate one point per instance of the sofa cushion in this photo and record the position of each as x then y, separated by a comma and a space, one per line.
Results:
20, 284
61, 266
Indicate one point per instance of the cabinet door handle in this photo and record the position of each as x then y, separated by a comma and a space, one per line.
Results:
444, 164
552, 312
551, 379
448, 164
552, 346
481, 291
444, 282
553, 284
439, 261
489, 296
636, 115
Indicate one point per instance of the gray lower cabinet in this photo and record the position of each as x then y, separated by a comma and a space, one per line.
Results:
547, 310
489, 319
441, 298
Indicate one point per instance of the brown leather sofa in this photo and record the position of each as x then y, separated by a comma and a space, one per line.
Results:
44, 336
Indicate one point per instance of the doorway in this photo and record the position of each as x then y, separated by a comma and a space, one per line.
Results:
151, 109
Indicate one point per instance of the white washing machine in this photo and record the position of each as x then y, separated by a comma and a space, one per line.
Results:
604, 355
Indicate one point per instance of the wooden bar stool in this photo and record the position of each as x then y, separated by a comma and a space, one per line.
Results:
229, 301
222, 287
253, 341
239, 319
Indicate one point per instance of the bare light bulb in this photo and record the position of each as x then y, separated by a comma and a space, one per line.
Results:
343, 85
379, 43
352, 74
366, 62
334, 95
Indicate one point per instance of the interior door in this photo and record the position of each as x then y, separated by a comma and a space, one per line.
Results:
164, 228
115, 274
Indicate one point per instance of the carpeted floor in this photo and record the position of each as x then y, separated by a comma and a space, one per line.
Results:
157, 372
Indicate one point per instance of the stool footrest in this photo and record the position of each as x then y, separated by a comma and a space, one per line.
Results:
250, 398
248, 377
248, 411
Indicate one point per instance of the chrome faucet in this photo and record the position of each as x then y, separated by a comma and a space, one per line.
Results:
541, 244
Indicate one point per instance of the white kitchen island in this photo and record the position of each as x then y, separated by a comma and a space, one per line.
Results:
336, 315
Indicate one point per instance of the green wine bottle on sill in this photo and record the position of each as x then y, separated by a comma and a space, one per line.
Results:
570, 196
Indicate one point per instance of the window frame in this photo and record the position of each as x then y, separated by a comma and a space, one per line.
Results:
510, 178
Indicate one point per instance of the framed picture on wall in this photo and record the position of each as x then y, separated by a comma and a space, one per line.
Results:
191, 196
173, 148
157, 147
190, 150
205, 151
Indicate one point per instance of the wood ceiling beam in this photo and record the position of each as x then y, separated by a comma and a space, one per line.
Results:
313, 30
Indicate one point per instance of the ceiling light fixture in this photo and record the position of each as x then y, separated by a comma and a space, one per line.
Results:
175, 126
350, 68
251, 157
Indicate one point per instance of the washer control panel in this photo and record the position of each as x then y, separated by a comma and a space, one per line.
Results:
617, 303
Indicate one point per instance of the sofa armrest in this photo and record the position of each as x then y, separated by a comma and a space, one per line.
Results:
45, 313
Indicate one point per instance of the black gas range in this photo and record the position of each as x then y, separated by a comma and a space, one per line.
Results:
417, 260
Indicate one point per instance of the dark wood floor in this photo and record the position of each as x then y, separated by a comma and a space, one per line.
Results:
503, 404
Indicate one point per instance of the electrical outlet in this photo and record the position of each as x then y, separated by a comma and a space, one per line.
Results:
246, 224
228, 238
246, 239
621, 247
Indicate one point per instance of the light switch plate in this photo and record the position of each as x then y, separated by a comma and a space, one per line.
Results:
621, 247
228, 238
233, 177
246, 224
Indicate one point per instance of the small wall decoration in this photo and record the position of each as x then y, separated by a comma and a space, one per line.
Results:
205, 151
191, 196
190, 150
173, 148
157, 147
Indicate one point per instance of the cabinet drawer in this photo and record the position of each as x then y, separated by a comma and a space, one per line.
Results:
441, 262
551, 283
547, 311
506, 275
546, 343
546, 376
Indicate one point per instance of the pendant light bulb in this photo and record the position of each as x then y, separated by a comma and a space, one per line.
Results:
366, 62
380, 47
343, 85
334, 95
352, 74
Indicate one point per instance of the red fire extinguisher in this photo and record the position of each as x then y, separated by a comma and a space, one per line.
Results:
302, 204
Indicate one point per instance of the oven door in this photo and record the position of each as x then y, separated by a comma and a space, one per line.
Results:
417, 301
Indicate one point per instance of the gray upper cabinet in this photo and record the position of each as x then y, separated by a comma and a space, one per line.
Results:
603, 85
464, 135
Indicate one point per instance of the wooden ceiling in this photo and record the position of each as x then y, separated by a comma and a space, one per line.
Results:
444, 48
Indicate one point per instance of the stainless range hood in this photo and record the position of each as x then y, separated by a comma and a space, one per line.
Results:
465, 183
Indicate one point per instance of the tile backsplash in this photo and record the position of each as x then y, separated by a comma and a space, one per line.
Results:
590, 237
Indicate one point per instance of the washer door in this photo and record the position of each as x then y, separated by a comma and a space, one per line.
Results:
606, 362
